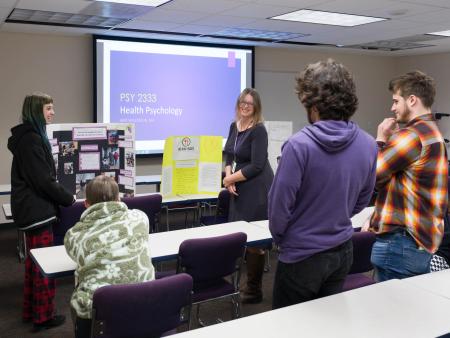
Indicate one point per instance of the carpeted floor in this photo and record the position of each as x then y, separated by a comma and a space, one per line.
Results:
11, 282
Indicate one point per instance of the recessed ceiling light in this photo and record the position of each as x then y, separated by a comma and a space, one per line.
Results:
327, 18
152, 3
443, 33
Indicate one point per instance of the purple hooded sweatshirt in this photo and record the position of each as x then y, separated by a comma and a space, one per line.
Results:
326, 175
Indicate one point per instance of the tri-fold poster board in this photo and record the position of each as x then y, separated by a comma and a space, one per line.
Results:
85, 150
192, 165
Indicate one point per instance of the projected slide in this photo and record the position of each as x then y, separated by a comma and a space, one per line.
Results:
169, 90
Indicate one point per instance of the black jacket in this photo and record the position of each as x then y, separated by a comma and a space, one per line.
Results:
35, 193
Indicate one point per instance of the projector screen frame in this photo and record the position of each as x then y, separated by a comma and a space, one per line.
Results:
96, 37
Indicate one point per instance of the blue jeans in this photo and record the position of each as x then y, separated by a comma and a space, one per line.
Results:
396, 255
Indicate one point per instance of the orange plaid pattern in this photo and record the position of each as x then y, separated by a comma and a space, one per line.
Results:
412, 172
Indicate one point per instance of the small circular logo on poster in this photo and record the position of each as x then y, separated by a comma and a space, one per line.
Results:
186, 142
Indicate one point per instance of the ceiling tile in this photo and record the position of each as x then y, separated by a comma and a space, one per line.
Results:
438, 16
196, 29
436, 3
174, 16
259, 11
4, 12
203, 6
292, 3
224, 21
147, 25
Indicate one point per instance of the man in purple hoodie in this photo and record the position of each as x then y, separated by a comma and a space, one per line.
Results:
326, 174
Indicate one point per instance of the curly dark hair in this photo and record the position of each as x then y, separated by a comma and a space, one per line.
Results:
328, 87
415, 83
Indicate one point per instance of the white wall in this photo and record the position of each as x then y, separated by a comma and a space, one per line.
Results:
277, 68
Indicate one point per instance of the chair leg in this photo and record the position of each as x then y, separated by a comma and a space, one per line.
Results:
190, 319
236, 307
200, 322
21, 246
167, 218
267, 266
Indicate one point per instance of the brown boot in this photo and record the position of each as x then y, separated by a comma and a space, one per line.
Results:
252, 293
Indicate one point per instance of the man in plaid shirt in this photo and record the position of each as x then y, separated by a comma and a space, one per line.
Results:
411, 182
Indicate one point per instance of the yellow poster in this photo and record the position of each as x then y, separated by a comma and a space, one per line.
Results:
192, 165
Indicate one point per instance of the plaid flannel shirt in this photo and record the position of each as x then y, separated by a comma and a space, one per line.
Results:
412, 183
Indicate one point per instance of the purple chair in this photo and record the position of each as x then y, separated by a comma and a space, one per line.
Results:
209, 261
148, 309
149, 204
222, 207
68, 216
362, 249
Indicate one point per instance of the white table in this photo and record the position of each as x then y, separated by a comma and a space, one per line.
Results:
5, 189
435, 282
54, 262
390, 309
166, 244
7, 210
357, 220
148, 179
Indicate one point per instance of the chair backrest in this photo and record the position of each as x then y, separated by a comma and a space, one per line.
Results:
68, 216
208, 260
362, 249
223, 203
149, 204
141, 310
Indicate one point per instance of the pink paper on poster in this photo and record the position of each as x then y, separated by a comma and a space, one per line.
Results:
129, 181
88, 133
89, 161
125, 144
126, 172
89, 147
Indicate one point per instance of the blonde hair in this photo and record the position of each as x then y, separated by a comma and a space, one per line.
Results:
257, 107
102, 189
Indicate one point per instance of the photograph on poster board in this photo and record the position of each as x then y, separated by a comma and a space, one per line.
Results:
68, 148
68, 168
128, 193
80, 184
113, 137
55, 159
110, 157
129, 159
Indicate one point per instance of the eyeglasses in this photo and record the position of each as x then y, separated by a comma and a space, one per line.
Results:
245, 103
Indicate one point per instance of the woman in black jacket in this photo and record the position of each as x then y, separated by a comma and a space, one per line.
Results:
35, 197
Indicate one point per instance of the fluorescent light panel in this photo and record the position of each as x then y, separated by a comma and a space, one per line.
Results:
258, 34
327, 18
152, 3
443, 33
50, 18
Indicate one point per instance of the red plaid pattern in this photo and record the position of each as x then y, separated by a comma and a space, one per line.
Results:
412, 187
38, 291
